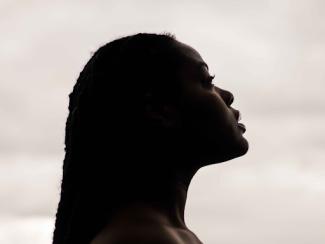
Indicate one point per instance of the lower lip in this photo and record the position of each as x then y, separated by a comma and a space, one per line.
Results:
242, 126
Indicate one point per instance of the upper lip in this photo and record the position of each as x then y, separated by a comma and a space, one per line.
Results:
236, 113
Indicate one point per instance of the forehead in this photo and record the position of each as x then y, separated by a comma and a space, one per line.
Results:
189, 55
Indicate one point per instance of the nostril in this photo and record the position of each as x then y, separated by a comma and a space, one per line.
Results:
236, 114
227, 96
230, 99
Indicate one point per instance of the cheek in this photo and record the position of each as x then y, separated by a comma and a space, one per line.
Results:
207, 116
211, 131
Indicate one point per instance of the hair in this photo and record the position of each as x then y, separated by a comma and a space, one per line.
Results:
106, 117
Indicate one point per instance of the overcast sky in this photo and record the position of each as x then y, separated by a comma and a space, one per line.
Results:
270, 54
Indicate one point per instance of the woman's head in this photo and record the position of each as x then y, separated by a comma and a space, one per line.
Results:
141, 107
146, 92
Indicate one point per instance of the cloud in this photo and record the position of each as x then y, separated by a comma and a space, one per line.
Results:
270, 54
30, 185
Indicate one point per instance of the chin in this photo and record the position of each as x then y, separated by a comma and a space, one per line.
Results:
242, 148
239, 149
223, 153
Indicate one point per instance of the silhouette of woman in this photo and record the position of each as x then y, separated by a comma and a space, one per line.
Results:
144, 117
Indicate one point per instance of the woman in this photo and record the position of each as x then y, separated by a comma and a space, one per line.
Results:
144, 117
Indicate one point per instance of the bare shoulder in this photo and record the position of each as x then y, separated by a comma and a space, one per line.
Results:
140, 234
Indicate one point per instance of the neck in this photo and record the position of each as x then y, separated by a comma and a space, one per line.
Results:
159, 199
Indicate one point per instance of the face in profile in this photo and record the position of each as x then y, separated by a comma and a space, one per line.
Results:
210, 124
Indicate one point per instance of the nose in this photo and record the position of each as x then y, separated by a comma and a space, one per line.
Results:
227, 96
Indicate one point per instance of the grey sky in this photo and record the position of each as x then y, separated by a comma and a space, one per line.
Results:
270, 54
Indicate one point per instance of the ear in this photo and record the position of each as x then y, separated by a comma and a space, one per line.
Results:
165, 115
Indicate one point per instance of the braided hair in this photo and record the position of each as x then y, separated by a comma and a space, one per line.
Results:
106, 117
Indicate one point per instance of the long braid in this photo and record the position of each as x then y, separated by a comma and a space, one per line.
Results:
79, 215
68, 187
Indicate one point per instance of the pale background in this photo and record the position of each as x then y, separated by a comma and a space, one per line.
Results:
270, 54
